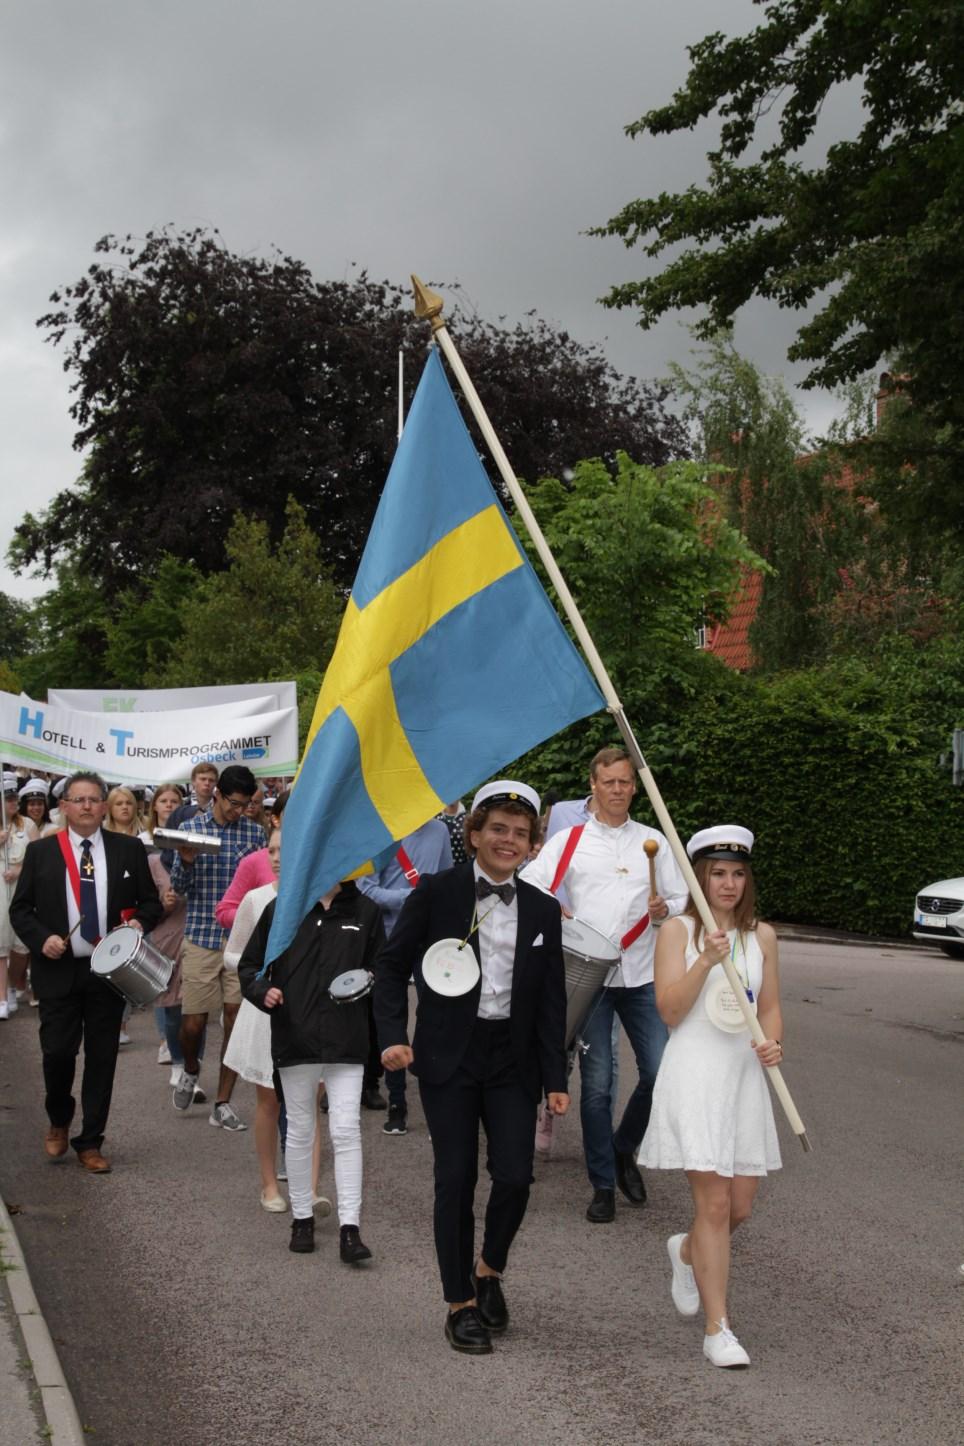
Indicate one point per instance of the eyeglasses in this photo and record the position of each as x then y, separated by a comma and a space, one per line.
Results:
236, 803
88, 802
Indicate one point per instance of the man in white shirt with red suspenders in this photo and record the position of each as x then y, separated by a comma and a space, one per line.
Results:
606, 874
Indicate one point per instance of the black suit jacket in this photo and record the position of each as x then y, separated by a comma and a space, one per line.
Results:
39, 906
441, 908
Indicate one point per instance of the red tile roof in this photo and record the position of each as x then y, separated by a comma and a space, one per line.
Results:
730, 641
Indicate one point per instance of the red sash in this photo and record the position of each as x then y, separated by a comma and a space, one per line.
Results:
565, 859
408, 868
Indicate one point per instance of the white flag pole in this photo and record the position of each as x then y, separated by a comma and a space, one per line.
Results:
428, 305
401, 394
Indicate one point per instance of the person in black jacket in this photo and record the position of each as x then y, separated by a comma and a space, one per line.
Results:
74, 887
314, 1039
484, 1056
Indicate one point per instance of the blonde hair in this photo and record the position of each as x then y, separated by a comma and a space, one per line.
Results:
152, 822
136, 823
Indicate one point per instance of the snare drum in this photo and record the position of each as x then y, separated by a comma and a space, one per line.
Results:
131, 965
590, 958
351, 986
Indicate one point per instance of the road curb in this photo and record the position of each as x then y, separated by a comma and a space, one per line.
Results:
63, 1422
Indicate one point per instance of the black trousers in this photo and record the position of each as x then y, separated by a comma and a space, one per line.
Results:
485, 1090
91, 1013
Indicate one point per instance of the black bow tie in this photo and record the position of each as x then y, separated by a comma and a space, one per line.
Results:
483, 889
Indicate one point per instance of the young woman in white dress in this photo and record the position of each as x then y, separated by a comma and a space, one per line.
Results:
711, 1112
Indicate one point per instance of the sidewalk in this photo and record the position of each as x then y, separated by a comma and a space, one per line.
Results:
817, 934
37, 1404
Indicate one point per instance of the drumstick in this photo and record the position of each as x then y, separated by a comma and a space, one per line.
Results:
651, 849
68, 937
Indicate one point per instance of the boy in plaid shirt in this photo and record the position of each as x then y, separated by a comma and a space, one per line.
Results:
207, 986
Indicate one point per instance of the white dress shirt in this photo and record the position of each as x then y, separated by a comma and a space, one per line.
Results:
79, 946
608, 886
498, 923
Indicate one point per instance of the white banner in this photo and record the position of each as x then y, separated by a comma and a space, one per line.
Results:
147, 747
165, 700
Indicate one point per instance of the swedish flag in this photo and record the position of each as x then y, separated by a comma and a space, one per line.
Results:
450, 662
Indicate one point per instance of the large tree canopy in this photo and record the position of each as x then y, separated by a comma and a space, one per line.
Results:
874, 235
207, 383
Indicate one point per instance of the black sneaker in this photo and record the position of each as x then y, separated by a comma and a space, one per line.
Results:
396, 1122
302, 1240
351, 1247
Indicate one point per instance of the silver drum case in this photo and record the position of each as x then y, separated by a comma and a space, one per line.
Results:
131, 965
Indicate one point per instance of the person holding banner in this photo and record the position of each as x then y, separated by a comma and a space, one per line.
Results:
712, 1115
74, 887
606, 873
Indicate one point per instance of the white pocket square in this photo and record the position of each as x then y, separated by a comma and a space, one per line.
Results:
537, 941
126, 874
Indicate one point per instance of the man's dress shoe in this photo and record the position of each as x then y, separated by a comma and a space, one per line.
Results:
55, 1141
93, 1161
629, 1180
602, 1207
464, 1331
490, 1303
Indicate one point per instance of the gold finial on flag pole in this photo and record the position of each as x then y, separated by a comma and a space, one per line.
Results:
428, 304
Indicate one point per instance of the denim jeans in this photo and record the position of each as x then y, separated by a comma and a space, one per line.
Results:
636, 1009
167, 1018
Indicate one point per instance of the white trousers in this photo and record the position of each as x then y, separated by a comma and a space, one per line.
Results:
344, 1085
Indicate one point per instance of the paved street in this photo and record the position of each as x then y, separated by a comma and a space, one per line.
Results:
180, 1315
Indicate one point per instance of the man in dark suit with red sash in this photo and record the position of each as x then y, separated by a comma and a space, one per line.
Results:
486, 1056
75, 887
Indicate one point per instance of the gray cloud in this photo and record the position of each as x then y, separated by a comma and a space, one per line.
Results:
465, 142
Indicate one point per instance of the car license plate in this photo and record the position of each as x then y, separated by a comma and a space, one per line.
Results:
932, 921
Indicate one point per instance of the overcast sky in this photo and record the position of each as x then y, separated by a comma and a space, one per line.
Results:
470, 141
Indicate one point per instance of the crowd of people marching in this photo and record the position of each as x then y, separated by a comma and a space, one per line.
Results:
475, 908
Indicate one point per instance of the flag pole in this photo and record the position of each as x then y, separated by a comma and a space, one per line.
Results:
428, 307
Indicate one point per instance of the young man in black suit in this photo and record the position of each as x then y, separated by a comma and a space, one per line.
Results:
74, 887
485, 1056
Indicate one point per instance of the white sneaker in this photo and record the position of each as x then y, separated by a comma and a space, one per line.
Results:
321, 1205
275, 1204
222, 1117
163, 1053
4, 1009
175, 1079
686, 1297
724, 1349
124, 1037
11, 1001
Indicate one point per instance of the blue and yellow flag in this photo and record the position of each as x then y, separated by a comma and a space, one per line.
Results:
450, 662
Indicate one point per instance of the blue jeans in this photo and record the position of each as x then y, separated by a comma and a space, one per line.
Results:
167, 1018
636, 1009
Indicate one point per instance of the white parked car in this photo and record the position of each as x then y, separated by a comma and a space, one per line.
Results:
939, 916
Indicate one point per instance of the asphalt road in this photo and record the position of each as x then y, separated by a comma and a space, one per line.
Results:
180, 1315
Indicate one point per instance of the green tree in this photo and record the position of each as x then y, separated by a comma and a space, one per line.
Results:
68, 636
14, 627
207, 383
870, 240
274, 612
146, 628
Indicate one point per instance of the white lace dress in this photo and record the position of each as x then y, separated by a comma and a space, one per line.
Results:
711, 1102
249, 1048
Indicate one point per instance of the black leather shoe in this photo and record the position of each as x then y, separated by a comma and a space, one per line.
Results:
602, 1207
373, 1099
464, 1331
302, 1240
490, 1303
352, 1248
629, 1180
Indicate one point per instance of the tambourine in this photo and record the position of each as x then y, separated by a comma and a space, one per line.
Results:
723, 1007
450, 967
348, 988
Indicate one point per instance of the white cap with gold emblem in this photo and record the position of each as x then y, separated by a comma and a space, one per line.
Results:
724, 841
506, 790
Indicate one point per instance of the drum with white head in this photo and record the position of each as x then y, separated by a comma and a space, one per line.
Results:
131, 965
589, 958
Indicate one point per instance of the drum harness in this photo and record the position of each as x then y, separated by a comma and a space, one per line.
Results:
630, 937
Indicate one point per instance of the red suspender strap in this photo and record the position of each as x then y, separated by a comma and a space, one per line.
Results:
575, 834
633, 934
73, 873
407, 867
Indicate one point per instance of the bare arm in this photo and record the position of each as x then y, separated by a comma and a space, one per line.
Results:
678, 988
769, 1012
